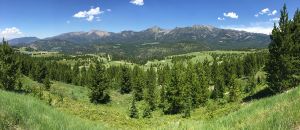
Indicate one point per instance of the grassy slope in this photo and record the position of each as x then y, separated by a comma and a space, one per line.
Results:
280, 112
25, 112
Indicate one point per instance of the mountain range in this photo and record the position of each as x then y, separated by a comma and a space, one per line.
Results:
24, 40
151, 42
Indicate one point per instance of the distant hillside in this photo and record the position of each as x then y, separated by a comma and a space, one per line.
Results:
153, 42
23, 40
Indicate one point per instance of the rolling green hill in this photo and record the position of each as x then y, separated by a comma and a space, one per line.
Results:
280, 112
18, 111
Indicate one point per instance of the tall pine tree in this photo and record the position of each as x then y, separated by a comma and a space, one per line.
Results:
279, 66
99, 85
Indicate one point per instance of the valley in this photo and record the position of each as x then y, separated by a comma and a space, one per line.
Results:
239, 69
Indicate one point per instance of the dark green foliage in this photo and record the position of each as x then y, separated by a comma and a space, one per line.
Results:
76, 74
219, 86
83, 76
235, 91
194, 83
284, 55
187, 105
251, 85
125, 80
47, 83
239, 68
204, 83
187, 109
147, 113
99, 84
164, 79
8, 67
250, 65
40, 72
134, 113
151, 83
174, 92
138, 83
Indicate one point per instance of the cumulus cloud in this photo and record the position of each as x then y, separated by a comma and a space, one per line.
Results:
88, 15
276, 19
232, 15
274, 12
221, 18
263, 30
12, 32
258, 27
137, 2
266, 11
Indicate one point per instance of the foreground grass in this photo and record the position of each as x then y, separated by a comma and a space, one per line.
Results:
25, 112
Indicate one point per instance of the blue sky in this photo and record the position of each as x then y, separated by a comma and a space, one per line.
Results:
45, 18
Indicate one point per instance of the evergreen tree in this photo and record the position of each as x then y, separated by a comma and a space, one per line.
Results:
234, 92
150, 95
251, 85
214, 69
99, 85
125, 80
192, 80
204, 85
76, 74
8, 67
219, 86
187, 107
164, 81
138, 83
83, 77
239, 68
133, 110
47, 83
279, 66
187, 97
174, 93
296, 46
40, 72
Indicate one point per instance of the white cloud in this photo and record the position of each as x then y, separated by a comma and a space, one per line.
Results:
221, 18
231, 15
276, 19
264, 30
137, 2
266, 11
12, 32
108, 10
88, 15
258, 27
274, 12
